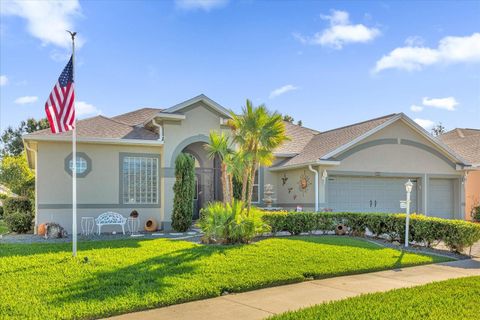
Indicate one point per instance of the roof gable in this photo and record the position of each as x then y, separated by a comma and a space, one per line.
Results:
329, 144
200, 98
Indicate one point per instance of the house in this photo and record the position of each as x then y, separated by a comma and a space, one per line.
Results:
466, 143
126, 162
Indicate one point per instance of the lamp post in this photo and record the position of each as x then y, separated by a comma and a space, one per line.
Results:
408, 188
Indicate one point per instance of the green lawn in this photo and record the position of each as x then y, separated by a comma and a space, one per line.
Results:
3, 227
451, 299
42, 280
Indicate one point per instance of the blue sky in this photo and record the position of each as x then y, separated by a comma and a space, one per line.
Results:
326, 63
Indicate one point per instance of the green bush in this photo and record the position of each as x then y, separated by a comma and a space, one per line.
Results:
17, 204
230, 223
456, 234
20, 222
1, 212
184, 189
476, 213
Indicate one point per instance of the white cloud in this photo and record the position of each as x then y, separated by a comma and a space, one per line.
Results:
340, 32
46, 20
26, 100
448, 103
83, 108
3, 80
282, 90
416, 108
414, 41
415, 57
205, 5
425, 123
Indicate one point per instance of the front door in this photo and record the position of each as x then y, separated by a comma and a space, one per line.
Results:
196, 197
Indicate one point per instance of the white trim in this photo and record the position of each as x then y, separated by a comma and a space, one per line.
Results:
96, 140
169, 116
196, 99
306, 164
315, 171
285, 155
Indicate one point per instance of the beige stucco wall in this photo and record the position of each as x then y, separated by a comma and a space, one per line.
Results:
200, 120
381, 160
97, 190
472, 193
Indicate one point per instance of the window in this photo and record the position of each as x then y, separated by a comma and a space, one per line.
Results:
256, 188
140, 180
82, 165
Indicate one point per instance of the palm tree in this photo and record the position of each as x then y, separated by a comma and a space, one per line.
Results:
219, 146
257, 132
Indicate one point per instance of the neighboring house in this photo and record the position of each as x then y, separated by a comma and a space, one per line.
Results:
127, 162
466, 143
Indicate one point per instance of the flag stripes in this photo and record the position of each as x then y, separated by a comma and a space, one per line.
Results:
60, 106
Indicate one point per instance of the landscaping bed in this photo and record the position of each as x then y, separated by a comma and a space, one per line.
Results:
40, 281
451, 299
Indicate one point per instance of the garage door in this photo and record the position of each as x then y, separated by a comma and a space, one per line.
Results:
440, 198
368, 194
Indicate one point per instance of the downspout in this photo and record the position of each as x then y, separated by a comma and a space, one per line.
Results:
160, 129
316, 186
36, 186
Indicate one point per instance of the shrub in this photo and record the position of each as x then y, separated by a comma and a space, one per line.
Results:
1, 212
17, 204
456, 234
229, 223
20, 222
183, 189
476, 213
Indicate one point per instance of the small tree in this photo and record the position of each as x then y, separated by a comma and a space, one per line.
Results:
438, 129
17, 176
11, 139
183, 189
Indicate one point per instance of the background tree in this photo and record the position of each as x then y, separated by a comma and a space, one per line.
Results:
11, 139
289, 118
183, 189
438, 129
17, 176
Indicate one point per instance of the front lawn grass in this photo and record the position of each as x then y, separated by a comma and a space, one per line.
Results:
451, 299
42, 281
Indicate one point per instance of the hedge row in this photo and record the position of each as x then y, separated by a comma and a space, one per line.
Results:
456, 234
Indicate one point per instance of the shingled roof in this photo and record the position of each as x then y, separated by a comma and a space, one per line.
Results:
465, 142
105, 128
325, 142
137, 117
299, 138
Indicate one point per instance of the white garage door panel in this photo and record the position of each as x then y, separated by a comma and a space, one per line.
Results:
440, 198
368, 194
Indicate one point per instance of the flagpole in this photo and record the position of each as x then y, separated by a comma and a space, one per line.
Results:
74, 160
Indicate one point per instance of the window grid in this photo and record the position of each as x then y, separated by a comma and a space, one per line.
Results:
140, 180
81, 165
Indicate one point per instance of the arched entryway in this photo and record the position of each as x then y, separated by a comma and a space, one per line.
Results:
207, 177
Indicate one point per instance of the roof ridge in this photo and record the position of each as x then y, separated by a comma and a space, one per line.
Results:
303, 127
361, 122
136, 110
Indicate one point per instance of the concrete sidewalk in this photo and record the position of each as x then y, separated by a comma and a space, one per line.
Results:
262, 303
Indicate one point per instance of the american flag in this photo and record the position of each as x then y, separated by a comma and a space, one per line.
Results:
60, 107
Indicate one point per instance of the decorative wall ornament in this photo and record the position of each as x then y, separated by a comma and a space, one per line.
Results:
304, 183
284, 179
290, 189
